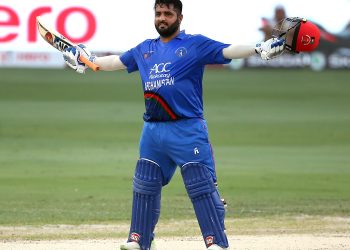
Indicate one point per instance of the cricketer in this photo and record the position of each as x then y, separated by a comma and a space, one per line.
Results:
175, 132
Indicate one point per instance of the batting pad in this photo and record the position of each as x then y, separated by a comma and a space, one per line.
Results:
206, 202
147, 185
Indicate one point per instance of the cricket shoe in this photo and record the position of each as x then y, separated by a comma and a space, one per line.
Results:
216, 247
135, 246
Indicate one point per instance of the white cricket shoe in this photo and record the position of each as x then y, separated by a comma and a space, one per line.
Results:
135, 246
216, 247
130, 246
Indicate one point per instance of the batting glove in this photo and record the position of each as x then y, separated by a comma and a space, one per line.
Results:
72, 54
270, 48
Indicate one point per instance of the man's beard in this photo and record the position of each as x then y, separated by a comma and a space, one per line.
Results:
168, 32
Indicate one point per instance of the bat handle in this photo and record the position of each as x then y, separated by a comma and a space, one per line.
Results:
88, 63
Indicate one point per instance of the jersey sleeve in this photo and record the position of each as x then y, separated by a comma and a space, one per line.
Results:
129, 61
210, 51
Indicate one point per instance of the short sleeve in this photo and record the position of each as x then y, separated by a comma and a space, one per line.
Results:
129, 61
210, 51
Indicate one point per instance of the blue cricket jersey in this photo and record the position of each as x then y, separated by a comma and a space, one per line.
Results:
172, 74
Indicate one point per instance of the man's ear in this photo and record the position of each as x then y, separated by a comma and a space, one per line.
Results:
181, 17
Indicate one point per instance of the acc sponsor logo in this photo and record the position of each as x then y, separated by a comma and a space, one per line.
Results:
180, 52
209, 240
135, 237
160, 68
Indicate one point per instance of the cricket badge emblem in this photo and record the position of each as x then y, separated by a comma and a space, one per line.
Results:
181, 52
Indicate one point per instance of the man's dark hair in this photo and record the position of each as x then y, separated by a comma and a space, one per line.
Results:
177, 4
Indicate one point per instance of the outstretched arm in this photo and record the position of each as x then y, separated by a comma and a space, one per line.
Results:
72, 54
109, 63
238, 51
267, 50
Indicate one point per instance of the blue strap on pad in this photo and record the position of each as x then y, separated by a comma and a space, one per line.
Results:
147, 186
207, 204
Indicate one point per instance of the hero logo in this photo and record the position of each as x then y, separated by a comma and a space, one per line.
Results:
13, 20
160, 68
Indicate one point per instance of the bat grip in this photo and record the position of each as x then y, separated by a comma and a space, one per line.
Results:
88, 63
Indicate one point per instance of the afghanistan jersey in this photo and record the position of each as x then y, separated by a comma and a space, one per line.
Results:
172, 74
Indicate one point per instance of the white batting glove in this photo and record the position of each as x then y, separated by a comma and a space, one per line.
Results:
71, 57
270, 48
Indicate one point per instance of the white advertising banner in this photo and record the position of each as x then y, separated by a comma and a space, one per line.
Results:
106, 25
26, 59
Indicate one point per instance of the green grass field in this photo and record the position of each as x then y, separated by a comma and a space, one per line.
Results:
69, 144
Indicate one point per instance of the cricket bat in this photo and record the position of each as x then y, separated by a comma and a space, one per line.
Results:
60, 42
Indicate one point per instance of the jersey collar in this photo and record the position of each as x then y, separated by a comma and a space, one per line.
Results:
180, 36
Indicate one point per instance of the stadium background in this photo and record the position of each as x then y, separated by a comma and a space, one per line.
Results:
68, 142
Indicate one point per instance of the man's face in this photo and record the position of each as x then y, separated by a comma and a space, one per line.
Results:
166, 20
280, 14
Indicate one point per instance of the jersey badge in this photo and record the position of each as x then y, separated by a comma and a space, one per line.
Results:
180, 52
147, 54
